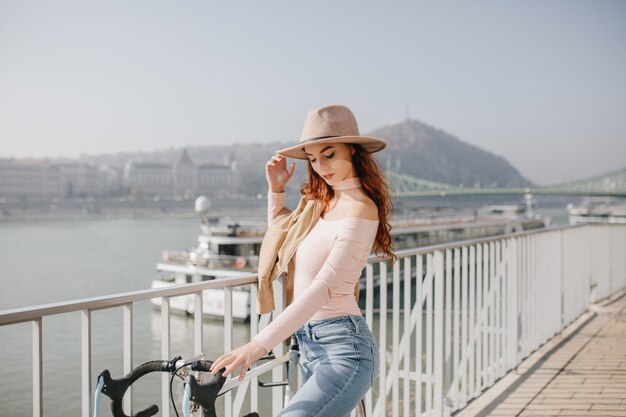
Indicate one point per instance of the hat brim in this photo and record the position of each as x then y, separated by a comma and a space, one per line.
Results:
370, 144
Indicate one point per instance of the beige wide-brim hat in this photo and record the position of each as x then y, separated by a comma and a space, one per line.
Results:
331, 124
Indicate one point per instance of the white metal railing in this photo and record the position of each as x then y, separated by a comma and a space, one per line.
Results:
461, 315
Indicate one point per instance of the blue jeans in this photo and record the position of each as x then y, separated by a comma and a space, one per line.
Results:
339, 362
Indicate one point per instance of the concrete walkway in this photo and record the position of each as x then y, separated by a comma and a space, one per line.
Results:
581, 372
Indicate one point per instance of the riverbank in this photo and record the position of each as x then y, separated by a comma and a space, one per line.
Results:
241, 208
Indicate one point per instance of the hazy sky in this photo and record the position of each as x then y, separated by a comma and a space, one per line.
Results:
541, 83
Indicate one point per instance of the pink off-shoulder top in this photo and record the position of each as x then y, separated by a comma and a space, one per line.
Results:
328, 264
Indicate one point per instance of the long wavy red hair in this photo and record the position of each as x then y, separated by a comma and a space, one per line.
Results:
374, 185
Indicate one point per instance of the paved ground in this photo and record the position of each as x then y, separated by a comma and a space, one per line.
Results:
581, 373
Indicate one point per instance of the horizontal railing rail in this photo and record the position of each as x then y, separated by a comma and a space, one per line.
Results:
20, 315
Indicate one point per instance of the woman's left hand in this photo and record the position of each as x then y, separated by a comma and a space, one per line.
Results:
243, 356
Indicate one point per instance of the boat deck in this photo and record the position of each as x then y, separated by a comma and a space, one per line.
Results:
581, 372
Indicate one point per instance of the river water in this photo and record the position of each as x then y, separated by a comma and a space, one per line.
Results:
46, 262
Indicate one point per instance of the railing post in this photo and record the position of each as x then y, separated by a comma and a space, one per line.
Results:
37, 368
278, 373
165, 354
438, 368
85, 339
419, 301
513, 311
395, 338
128, 353
197, 323
369, 318
407, 334
457, 321
382, 322
254, 330
228, 342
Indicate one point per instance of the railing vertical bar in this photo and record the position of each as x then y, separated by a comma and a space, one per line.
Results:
464, 340
228, 342
429, 282
369, 295
534, 296
165, 353
369, 318
472, 320
198, 311
382, 389
479, 324
198, 336
395, 337
564, 288
457, 310
529, 304
407, 337
448, 311
485, 315
439, 280
522, 300
513, 299
521, 288
127, 313
555, 294
538, 292
254, 330
37, 344
504, 305
85, 349
498, 321
492, 313
449, 356
419, 301
278, 373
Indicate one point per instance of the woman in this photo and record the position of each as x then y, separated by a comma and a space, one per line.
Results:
338, 354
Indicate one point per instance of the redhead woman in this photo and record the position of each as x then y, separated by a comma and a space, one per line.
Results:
343, 214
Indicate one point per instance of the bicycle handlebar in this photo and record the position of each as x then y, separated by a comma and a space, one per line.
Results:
116, 388
204, 394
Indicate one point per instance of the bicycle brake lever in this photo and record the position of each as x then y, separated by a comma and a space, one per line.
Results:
206, 394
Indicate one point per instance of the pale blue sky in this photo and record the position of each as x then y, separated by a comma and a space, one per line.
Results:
541, 83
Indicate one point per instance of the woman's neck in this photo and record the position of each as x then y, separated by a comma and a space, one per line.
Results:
347, 184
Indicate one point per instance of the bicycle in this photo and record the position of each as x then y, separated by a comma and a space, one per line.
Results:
197, 394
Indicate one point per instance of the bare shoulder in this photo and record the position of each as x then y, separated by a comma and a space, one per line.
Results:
364, 207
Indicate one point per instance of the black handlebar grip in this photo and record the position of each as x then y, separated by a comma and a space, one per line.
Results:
206, 394
116, 388
202, 366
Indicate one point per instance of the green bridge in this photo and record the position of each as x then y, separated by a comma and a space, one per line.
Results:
612, 184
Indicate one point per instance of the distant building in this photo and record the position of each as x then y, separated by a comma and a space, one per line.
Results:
40, 180
216, 180
183, 179
184, 176
148, 178
81, 180
30, 180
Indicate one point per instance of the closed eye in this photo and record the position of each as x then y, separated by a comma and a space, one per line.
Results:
325, 156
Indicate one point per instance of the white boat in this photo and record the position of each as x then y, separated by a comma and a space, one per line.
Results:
230, 249
597, 210
225, 249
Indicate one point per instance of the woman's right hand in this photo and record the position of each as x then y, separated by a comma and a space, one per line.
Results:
277, 173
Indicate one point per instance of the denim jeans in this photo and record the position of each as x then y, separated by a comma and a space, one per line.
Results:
338, 362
